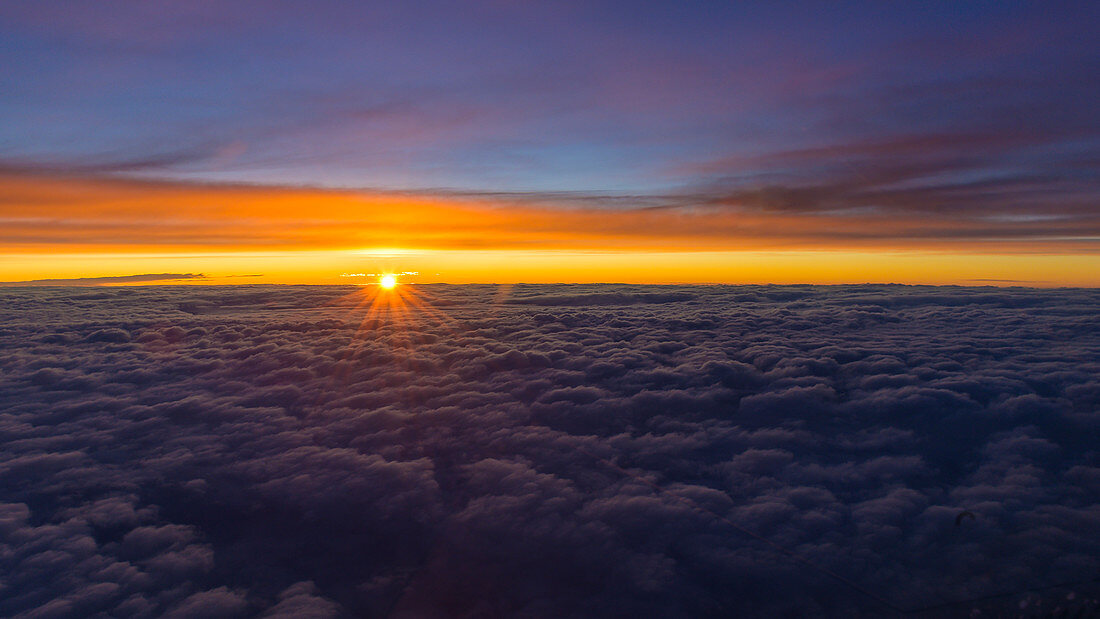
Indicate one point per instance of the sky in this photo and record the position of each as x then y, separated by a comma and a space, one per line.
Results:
938, 142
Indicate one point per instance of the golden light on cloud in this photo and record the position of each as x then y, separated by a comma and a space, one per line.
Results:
64, 226
73, 215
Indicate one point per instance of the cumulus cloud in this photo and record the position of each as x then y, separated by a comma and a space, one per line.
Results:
602, 298
660, 451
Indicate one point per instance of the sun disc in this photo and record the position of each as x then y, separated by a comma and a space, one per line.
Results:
388, 282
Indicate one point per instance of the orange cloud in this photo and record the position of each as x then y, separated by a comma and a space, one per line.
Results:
81, 214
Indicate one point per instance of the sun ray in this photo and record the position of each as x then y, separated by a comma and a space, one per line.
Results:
390, 314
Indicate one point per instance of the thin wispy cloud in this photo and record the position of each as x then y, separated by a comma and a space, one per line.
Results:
359, 95
118, 215
107, 280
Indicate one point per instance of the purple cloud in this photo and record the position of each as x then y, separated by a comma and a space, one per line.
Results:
271, 456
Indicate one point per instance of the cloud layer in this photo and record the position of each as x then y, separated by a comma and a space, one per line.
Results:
575, 451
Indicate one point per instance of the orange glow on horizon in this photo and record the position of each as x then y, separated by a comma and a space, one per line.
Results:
69, 227
511, 266
105, 215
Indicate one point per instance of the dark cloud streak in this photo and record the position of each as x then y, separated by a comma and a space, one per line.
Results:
113, 279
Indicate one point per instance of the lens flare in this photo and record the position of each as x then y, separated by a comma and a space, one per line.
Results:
388, 282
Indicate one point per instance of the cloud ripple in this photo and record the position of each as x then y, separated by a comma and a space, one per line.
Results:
279, 453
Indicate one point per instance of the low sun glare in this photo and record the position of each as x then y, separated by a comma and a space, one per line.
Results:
387, 282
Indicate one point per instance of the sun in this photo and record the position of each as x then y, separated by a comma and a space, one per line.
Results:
388, 282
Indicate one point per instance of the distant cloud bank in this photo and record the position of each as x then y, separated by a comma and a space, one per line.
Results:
115, 279
567, 451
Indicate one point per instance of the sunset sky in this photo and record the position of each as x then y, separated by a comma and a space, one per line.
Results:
540, 309
649, 142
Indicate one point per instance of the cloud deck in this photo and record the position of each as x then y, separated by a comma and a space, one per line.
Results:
574, 451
